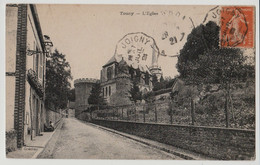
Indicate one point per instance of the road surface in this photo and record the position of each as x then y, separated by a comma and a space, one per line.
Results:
79, 140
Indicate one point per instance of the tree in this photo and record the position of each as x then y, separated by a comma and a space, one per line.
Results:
201, 39
225, 67
95, 96
161, 79
72, 96
163, 84
137, 77
58, 76
135, 93
154, 79
202, 61
149, 97
95, 99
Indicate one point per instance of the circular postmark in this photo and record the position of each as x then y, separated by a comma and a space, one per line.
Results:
174, 31
137, 49
213, 15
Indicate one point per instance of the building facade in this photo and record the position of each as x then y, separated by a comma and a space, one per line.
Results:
25, 72
135, 61
117, 80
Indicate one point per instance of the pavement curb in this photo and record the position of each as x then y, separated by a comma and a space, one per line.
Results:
179, 154
40, 150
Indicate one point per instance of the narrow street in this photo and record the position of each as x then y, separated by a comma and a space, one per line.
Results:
77, 140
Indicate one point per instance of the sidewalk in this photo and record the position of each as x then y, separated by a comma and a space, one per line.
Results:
35, 147
185, 154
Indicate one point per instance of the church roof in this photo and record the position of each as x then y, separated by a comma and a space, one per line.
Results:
134, 65
177, 85
112, 60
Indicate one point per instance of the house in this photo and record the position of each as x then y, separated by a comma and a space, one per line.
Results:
26, 51
176, 86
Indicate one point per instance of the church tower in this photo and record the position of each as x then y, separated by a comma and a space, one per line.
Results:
155, 69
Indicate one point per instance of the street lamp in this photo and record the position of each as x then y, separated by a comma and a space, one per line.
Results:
48, 45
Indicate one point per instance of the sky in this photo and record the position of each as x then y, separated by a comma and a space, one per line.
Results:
88, 34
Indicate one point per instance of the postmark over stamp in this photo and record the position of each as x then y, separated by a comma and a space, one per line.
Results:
236, 26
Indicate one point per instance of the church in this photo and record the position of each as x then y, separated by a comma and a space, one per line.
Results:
135, 59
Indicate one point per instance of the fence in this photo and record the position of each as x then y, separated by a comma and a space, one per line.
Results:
170, 112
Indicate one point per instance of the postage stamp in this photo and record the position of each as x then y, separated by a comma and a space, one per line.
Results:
236, 28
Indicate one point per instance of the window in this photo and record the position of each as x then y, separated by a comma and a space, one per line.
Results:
109, 90
103, 91
109, 73
41, 66
37, 62
106, 91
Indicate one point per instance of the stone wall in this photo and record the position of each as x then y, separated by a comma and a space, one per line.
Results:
218, 143
85, 116
53, 116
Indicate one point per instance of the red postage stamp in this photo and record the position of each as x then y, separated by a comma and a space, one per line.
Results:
237, 26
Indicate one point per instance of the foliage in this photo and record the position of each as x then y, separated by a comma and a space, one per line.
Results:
58, 76
118, 98
137, 77
95, 96
209, 107
171, 107
202, 60
154, 79
135, 93
11, 143
72, 96
200, 40
163, 84
149, 97
33, 80
211, 104
161, 79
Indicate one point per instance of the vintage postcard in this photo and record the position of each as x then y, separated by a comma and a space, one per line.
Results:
131, 82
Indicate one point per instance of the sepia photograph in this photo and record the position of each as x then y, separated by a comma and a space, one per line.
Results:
131, 81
